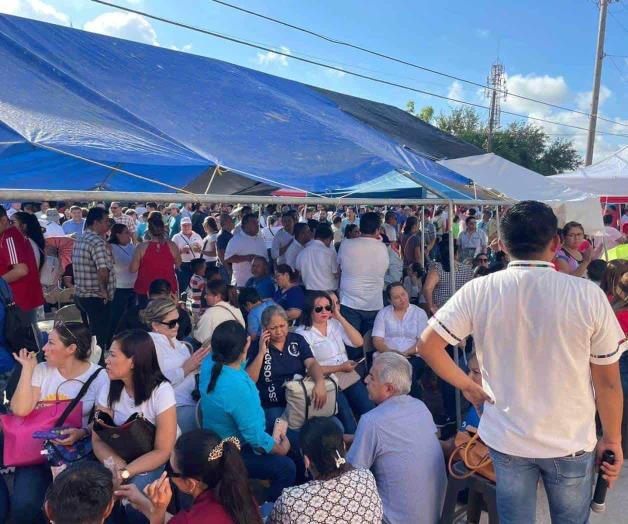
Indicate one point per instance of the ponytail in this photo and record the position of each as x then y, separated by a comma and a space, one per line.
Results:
233, 491
214, 375
227, 343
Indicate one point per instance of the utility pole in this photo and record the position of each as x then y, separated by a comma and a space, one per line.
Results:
597, 77
496, 92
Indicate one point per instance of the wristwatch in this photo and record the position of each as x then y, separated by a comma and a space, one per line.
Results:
125, 475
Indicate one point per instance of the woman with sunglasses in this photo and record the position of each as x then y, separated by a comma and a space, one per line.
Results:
161, 316
61, 376
208, 468
137, 387
328, 333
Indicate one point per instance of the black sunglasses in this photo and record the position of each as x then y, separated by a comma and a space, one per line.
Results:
172, 473
318, 309
170, 324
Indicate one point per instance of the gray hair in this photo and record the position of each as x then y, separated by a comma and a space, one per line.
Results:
270, 312
157, 309
394, 369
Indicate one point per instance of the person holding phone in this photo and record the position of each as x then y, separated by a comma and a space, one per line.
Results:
231, 407
328, 333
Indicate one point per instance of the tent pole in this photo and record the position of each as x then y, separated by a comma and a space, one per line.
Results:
452, 276
423, 236
216, 170
497, 220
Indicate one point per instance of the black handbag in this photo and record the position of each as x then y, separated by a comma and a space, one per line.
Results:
18, 329
130, 440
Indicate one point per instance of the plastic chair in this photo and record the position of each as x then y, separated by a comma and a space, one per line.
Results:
69, 313
480, 489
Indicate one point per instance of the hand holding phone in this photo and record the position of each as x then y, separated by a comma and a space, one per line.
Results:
280, 429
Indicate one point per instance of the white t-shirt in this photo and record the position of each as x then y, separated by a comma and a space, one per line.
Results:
49, 381
171, 360
400, 335
213, 317
52, 229
363, 262
611, 237
209, 244
328, 350
160, 400
536, 333
243, 244
391, 232
194, 240
268, 234
293, 252
318, 266
282, 239
122, 257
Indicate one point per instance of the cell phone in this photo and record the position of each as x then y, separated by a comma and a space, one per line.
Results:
49, 434
280, 429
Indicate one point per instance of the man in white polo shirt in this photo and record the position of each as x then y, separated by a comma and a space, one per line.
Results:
545, 342
302, 237
363, 262
245, 245
318, 263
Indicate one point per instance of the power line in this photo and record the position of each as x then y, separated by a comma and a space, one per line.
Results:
404, 62
618, 21
621, 74
340, 70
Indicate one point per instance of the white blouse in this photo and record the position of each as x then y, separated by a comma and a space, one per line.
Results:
328, 350
400, 334
171, 361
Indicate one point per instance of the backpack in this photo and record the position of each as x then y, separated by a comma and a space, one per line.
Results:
19, 331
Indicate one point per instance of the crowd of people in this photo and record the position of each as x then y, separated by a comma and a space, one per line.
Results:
193, 319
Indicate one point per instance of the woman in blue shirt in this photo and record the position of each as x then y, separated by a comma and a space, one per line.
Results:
231, 406
290, 295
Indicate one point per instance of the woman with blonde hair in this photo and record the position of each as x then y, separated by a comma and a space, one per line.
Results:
161, 316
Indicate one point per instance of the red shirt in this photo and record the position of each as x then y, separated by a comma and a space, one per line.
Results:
16, 249
622, 316
204, 510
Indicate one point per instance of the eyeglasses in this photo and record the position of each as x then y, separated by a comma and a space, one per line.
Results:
61, 324
319, 309
482, 259
172, 473
170, 324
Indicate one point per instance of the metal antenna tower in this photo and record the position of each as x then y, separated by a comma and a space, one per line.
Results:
496, 91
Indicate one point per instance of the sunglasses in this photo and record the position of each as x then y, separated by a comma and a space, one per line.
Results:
61, 324
172, 473
170, 324
319, 309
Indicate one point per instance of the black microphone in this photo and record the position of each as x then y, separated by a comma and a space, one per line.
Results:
598, 504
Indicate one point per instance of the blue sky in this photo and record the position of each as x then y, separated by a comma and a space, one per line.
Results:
547, 47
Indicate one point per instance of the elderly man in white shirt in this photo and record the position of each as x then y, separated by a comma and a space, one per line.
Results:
318, 263
548, 347
190, 245
363, 263
283, 238
302, 237
397, 442
245, 245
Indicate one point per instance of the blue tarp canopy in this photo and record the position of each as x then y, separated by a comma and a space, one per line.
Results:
82, 111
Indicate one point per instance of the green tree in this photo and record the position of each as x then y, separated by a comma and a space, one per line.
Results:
520, 142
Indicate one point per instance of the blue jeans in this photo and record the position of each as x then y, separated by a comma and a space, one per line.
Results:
353, 402
29, 490
279, 470
186, 418
623, 372
568, 483
362, 321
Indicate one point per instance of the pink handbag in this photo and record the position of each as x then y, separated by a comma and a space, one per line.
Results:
20, 448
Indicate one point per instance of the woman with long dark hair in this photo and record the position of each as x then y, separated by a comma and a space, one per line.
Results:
123, 251
154, 259
137, 387
410, 241
31, 229
231, 407
211, 471
222, 307
289, 294
353, 490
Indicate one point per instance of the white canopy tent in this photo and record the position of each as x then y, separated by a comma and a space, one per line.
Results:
607, 178
509, 179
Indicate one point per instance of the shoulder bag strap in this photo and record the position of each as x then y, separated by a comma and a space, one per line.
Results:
307, 400
78, 397
227, 309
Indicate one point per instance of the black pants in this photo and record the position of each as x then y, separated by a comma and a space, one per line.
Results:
97, 315
123, 299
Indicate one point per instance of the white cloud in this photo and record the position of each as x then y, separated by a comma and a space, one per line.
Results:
271, 57
482, 33
123, 25
35, 9
583, 100
552, 89
186, 48
134, 2
455, 90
